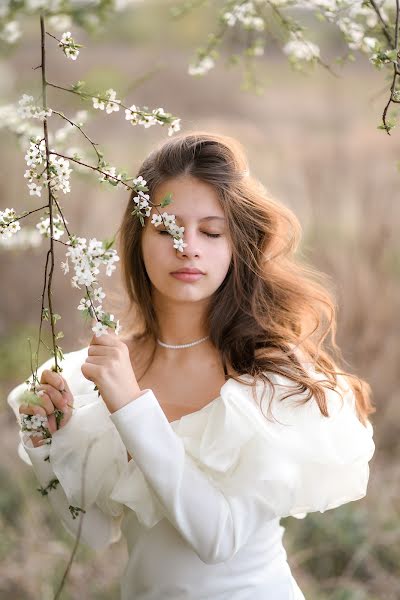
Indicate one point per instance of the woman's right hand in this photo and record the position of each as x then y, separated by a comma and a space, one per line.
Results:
51, 383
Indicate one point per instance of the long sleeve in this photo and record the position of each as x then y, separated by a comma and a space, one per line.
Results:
214, 525
88, 449
226, 470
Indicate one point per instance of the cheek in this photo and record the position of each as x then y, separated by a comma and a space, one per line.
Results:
153, 252
222, 259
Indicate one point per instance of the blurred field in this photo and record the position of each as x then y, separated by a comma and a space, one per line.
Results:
314, 144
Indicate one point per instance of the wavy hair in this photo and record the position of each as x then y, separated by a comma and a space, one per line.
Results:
270, 306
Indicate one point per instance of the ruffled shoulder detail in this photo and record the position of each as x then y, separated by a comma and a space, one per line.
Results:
302, 462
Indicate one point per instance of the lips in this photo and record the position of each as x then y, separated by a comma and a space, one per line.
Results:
189, 271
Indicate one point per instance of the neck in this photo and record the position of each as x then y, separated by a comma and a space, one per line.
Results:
181, 323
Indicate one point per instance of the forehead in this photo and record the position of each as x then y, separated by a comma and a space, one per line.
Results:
191, 199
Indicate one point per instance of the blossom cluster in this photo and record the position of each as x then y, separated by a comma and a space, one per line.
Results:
171, 227
244, 13
34, 425
86, 258
110, 103
44, 226
58, 168
26, 109
357, 20
69, 46
8, 224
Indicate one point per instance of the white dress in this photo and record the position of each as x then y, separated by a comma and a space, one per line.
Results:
200, 502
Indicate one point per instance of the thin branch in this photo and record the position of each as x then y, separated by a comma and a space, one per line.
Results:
50, 193
81, 130
386, 31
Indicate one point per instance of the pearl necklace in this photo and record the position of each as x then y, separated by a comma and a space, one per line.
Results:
183, 345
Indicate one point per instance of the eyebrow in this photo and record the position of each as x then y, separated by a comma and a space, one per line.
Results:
207, 218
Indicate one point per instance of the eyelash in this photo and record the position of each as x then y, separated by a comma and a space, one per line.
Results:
211, 235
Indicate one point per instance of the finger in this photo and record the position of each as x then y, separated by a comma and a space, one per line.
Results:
46, 403
52, 378
58, 399
98, 350
26, 409
90, 371
31, 409
52, 423
106, 339
97, 360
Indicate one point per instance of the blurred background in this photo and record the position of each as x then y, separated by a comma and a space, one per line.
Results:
313, 142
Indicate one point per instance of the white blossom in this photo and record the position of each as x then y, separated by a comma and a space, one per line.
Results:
98, 294
179, 244
69, 46
156, 220
8, 228
44, 226
99, 329
174, 127
84, 304
34, 189
110, 103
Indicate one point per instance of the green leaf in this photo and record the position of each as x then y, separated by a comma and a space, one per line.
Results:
107, 243
166, 200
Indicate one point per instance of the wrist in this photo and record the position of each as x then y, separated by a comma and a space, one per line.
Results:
131, 398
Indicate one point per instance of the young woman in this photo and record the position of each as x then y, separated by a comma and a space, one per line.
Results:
179, 453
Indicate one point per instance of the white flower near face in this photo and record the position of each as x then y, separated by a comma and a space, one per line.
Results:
168, 219
175, 230
179, 244
156, 220
99, 329
99, 311
139, 181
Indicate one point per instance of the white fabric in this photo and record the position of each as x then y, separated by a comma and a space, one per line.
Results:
199, 504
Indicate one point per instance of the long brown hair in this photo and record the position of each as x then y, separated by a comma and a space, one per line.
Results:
271, 306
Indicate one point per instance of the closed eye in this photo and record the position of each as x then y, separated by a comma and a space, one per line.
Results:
211, 235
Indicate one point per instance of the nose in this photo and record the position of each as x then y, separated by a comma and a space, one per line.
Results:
192, 241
